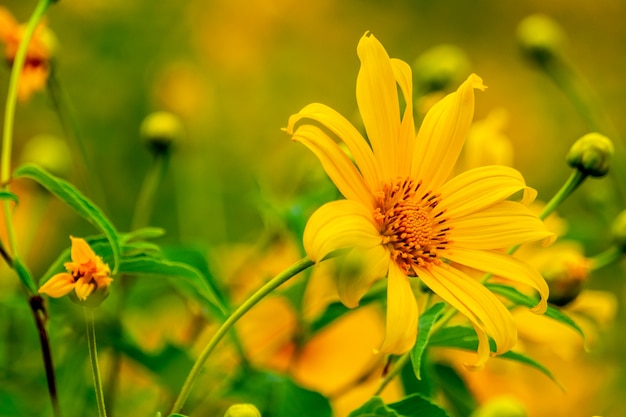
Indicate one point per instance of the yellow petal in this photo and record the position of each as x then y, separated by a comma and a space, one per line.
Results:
402, 314
504, 266
81, 251
58, 286
475, 302
482, 187
343, 129
358, 271
336, 163
406, 136
443, 132
341, 224
377, 97
83, 289
502, 225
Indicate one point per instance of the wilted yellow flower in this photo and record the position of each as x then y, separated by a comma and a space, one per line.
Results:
400, 216
85, 274
37, 65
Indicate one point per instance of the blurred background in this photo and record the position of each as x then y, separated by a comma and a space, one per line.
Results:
235, 70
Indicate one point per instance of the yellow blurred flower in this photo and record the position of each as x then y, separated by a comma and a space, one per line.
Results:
37, 65
85, 274
400, 216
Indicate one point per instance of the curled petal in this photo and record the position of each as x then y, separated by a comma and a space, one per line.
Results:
340, 224
377, 97
81, 251
58, 286
443, 132
482, 187
360, 269
402, 314
504, 266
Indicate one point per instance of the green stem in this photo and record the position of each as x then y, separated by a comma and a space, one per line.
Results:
575, 179
397, 367
605, 258
148, 190
93, 356
281, 278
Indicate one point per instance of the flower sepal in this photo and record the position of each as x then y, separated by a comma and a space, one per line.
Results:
93, 300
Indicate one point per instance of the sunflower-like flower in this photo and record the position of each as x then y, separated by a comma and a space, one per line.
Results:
40, 50
403, 219
86, 274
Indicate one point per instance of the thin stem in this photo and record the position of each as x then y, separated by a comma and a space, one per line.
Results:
40, 316
605, 258
281, 278
397, 367
575, 179
148, 190
93, 356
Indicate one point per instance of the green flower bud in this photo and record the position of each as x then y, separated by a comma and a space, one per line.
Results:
160, 131
441, 67
591, 154
540, 38
49, 152
618, 231
242, 410
565, 276
501, 407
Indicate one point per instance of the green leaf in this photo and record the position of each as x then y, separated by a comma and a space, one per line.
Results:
520, 298
77, 201
426, 321
293, 400
144, 233
8, 195
461, 337
412, 406
24, 274
455, 390
163, 267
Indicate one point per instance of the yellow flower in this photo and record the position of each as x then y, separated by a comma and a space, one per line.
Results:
403, 219
85, 274
37, 65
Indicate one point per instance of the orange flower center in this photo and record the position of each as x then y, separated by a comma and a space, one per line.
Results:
412, 226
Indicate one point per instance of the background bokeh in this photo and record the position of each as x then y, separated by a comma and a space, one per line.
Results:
235, 70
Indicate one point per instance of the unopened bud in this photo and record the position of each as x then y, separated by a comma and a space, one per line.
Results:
618, 231
566, 275
440, 67
49, 152
501, 407
591, 154
242, 410
540, 38
160, 131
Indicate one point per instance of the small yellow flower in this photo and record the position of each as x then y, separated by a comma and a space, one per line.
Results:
85, 274
40, 50
404, 218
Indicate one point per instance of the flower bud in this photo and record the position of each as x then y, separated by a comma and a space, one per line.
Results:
565, 275
618, 231
540, 38
49, 152
440, 67
501, 407
591, 154
242, 410
160, 131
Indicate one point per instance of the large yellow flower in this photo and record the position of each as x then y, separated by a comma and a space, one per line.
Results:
403, 219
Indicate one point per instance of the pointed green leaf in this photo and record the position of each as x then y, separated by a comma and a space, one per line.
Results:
520, 298
8, 195
426, 321
144, 233
75, 200
455, 391
412, 406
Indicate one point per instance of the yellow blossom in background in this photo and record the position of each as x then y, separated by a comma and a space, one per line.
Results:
37, 65
85, 274
402, 219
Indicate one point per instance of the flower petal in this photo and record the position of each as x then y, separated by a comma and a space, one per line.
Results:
336, 163
343, 129
504, 266
402, 314
81, 251
442, 134
84, 288
406, 136
482, 187
58, 286
339, 225
474, 301
358, 271
377, 98
502, 225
